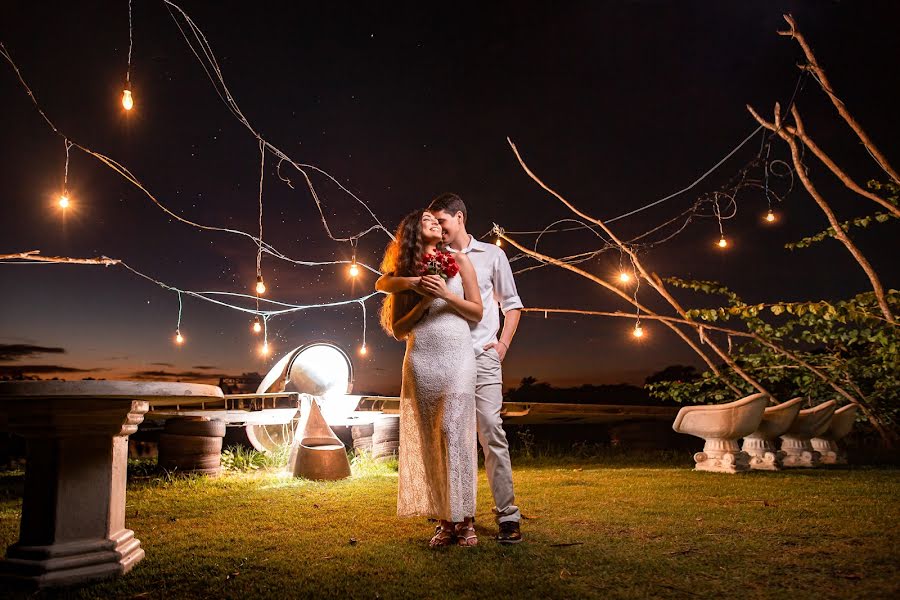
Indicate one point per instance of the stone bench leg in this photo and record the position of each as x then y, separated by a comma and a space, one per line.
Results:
831, 453
763, 454
722, 456
798, 452
73, 511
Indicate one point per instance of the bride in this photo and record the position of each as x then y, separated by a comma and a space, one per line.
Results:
438, 460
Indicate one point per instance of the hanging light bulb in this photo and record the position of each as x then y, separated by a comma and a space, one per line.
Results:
770, 216
624, 277
354, 269
723, 243
260, 286
64, 200
498, 242
363, 350
638, 331
257, 327
179, 339
127, 100
264, 350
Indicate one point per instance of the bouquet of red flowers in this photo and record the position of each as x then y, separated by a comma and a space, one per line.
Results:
440, 263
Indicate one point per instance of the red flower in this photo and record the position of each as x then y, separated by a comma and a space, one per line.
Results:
440, 263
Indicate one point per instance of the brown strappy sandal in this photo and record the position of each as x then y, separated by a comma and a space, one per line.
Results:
465, 534
443, 536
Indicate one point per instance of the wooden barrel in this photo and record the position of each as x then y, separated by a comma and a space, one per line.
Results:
192, 445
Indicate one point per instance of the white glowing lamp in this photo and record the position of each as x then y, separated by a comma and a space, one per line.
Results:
498, 242
354, 270
179, 339
64, 200
260, 286
624, 277
363, 350
127, 100
257, 327
638, 331
723, 243
264, 350
770, 217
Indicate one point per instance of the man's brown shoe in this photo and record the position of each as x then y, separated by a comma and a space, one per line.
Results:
509, 533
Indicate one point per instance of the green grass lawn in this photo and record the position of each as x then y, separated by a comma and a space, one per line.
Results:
602, 527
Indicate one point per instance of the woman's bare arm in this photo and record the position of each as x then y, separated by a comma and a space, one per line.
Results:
401, 325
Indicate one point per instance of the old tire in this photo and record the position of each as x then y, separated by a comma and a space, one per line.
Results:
387, 429
190, 453
196, 426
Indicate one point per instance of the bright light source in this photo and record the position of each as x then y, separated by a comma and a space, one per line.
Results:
498, 242
64, 201
354, 270
127, 100
179, 339
363, 350
624, 277
257, 326
638, 331
770, 217
264, 350
260, 286
723, 243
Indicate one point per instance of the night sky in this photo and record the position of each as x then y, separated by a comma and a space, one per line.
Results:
615, 104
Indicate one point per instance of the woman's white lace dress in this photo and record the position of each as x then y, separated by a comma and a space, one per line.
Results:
438, 451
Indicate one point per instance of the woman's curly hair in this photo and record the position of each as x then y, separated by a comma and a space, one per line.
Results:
401, 260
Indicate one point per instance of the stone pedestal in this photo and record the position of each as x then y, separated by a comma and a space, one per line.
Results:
827, 443
810, 423
722, 456
798, 452
763, 454
73, 511
760, 444
829, 451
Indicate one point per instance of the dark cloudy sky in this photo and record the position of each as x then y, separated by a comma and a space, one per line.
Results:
613, 103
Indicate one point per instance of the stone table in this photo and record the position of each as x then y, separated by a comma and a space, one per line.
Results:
73, 511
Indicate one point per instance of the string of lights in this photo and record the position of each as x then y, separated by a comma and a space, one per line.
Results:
125, 173
284, 308
211, 67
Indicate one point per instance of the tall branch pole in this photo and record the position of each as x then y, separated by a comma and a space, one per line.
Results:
34, 255
819, 72
800, 132
839, 232
654, 281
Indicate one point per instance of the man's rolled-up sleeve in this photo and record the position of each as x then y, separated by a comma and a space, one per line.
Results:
505, 292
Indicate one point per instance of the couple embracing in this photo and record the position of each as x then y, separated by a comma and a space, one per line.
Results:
444, 290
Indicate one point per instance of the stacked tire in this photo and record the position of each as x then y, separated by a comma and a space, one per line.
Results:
192, 445
362, 437
386, 437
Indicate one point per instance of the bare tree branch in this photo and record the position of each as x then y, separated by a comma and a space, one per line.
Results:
34, 255
839, 232
814, 67
654, 282
800, 132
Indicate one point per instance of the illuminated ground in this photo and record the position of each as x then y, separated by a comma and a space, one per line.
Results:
596, 528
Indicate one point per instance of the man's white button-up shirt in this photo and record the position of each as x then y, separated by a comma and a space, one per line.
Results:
497, 287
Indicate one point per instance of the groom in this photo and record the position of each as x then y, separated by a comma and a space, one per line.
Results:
495, 281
